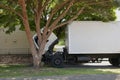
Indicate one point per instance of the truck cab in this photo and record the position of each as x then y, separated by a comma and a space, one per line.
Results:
50, 57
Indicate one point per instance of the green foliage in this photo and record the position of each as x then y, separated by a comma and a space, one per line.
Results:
98, 12
8, 19
92, 12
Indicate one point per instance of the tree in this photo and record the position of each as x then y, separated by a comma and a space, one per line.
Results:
31, 12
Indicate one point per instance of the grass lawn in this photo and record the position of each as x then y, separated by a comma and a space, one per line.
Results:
25, 71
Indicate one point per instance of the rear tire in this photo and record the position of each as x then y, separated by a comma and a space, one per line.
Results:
114, 61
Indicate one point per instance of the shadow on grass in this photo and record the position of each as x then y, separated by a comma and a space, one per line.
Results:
27, 71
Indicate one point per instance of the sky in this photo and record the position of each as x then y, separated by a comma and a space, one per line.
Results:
118, 15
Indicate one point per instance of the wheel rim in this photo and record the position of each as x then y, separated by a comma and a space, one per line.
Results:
57, 62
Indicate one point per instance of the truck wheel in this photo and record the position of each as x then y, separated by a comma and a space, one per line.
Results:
57, 61
114, 61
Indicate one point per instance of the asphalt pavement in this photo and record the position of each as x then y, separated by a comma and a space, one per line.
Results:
72, 77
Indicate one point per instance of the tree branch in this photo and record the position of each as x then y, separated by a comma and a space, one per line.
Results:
10, 9
57, 7
54, 11
53, 25
73, 18
79, 12
39, 11
61, 16
41, 8
27, 26
101, 2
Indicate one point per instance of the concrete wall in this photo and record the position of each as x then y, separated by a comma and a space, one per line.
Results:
14, 43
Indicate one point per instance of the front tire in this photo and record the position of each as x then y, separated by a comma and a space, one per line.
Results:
114, 61
57, 60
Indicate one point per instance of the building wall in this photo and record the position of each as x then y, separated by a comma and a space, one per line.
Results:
13, 43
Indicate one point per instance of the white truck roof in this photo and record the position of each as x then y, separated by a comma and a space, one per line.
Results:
93, 37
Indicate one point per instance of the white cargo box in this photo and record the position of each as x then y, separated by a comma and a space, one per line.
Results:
93, 37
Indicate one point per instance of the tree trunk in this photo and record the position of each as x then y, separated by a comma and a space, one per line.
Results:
37, 57
36, 54
36, 61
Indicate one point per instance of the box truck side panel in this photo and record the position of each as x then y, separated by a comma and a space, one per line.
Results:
88, 37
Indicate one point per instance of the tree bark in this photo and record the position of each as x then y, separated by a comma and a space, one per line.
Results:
36, 61
36, 57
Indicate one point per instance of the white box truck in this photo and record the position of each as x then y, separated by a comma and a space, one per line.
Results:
88, 41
